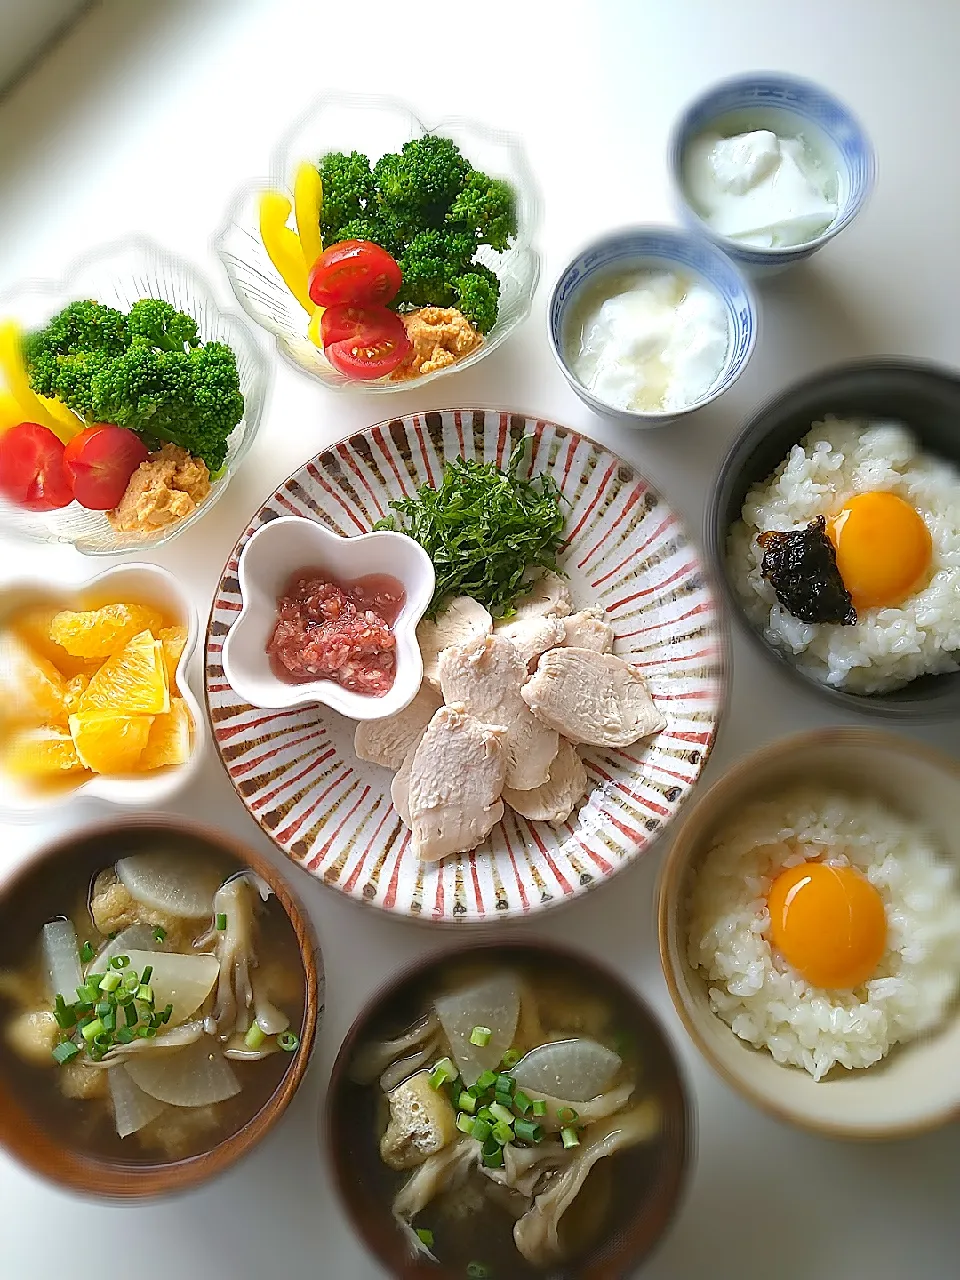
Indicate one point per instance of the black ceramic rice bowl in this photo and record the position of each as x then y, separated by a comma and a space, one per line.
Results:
925, 398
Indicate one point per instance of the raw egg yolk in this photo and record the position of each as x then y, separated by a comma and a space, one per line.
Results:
828, 923
883, 549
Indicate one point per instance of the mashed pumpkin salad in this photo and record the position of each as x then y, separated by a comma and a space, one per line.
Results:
385, 257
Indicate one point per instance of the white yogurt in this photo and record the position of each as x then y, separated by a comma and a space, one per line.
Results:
760, 188
649, 341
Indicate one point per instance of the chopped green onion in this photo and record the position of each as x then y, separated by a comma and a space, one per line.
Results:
521, 1102
527, 1131
124, 1036
119, 962
221, 921
493, 1159
93, 1029
109, 1019
425, 1237
503, 1133
500, 1112
65, 1052
87, 953
510, 1059
103, 1006
480, 1270
570, 1137
88, 994
539, 1107
110, 981
165, 1014
465, 1123
254, 1037
482, 1129
93, 980
124, 997
486, 1080
567, 1115
288, 1041
505, 1083
149, 1033
486, 1114
442, 1072
145, 993
131, 1014
64, 1013
131, 981
480, 1036
467, 1102
159, 934
146, 975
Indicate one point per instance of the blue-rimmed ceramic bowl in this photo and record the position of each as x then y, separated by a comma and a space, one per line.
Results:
658, 248
788, 106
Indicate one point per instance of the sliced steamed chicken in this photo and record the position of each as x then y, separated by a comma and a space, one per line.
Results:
588, 629
532, 635
486, 676
387, 741
549, 596
592, 697
463, 619
455, 780
556, 798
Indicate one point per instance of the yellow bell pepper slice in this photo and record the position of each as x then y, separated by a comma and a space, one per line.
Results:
33, 408
10, 412
307, 204
313, 328
283, 245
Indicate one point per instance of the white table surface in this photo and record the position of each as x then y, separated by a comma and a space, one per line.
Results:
147, 118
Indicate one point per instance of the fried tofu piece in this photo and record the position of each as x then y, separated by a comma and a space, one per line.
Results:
421, 1123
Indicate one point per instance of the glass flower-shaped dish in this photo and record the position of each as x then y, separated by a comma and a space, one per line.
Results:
119, 274
374, 126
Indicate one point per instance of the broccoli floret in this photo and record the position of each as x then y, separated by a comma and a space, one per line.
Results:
478, 296
430, 264
422, 182
188, 398
159, 323
62, 356
487, 206
348, 186
383, 230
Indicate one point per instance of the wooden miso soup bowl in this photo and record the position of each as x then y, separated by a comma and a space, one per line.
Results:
644, 1205
57, 1158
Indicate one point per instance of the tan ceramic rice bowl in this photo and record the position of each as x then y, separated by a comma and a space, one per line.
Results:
917, 1086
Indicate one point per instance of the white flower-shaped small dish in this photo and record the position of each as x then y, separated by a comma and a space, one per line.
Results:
146, 584
279, 550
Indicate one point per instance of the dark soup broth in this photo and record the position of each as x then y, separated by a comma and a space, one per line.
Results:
187, 1010
512, 1115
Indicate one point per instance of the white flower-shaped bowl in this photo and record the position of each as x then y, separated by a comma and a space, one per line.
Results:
279, 550
374, 126
134, 584
119, 274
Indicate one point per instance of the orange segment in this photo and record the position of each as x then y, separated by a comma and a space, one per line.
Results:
169, 741
99, 633
131, 683
42, 754
31, 688
110, 744
73, 692
173, 640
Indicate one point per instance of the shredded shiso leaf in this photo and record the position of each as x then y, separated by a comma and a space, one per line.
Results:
484, 529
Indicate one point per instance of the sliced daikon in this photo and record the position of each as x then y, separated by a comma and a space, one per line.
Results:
183, 981
193, 1077
132, 1108
136, 937
577, 1069
492, 1004
61, 959
173, 882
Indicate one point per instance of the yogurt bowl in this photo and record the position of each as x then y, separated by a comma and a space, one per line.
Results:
807, 158
676, 311
274, 555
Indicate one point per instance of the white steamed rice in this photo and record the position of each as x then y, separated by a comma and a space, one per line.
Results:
888, 647
768, 1003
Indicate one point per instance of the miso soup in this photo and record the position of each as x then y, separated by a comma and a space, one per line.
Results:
150, 1005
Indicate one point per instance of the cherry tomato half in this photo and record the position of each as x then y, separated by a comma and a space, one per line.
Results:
354, 272
365, 342
99, 463
32, 474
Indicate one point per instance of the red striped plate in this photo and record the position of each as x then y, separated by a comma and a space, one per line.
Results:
331, 814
